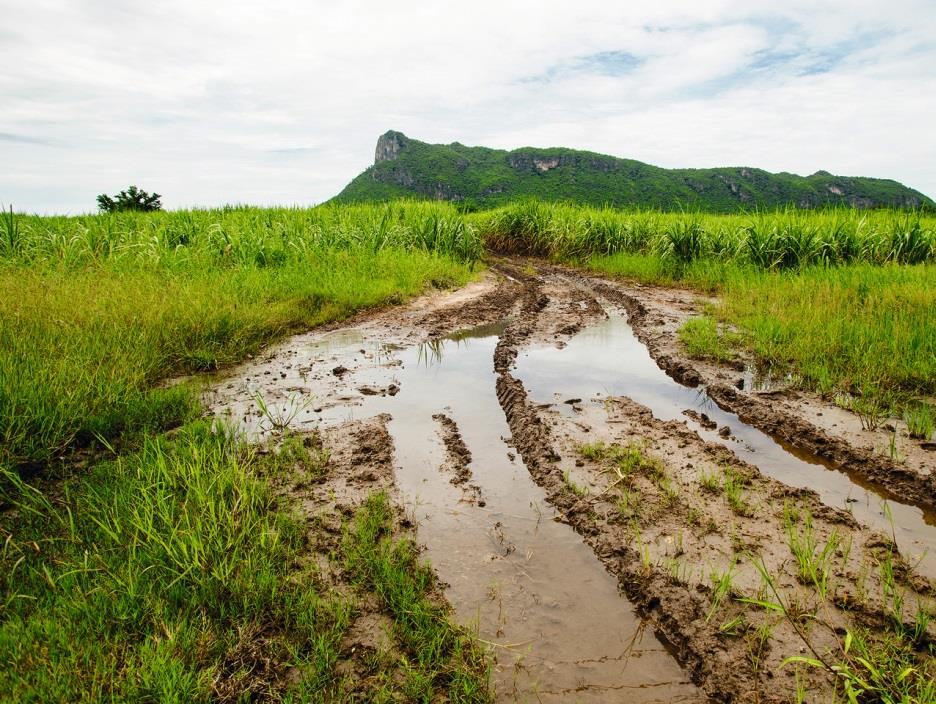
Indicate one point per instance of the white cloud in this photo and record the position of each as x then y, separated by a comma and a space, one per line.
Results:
281, 102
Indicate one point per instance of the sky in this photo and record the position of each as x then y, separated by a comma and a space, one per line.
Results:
210, 103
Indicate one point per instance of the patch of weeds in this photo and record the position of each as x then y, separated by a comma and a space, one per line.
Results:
920, 421
628, 504
703, 339
733, 486
303, 454
734, 626
877, 668
893, 450
281, 415
595, 451
757, 645
871, 411
440, 657
670, 493
710, 482
814, 563
722, 586
579, 490
710, 526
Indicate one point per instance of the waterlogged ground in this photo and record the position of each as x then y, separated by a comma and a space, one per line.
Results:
580, 505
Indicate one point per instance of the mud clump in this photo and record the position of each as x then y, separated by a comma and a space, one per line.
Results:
457, 460
701, 419
457, 454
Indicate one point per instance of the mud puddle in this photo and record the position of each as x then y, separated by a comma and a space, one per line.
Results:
559, 628
606, 359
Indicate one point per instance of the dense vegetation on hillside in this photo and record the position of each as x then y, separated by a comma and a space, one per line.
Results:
482, 177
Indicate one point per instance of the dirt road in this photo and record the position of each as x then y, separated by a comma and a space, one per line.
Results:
596, 504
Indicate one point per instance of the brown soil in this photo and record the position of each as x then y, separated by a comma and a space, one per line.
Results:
662, 569
800, 418
665, 530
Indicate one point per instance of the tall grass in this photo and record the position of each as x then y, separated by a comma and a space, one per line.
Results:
176, 574
156, 577
858, 330
783, 239
238, 236
96, 310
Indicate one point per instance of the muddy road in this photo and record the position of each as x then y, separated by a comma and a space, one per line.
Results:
595, 504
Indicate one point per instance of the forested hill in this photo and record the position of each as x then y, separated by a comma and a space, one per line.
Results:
483, 177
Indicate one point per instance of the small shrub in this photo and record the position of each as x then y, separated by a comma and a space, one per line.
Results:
131, 199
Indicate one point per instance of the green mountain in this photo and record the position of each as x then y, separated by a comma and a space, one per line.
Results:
482, 177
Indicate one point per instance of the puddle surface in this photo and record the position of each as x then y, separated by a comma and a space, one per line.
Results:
607, 359
563, 632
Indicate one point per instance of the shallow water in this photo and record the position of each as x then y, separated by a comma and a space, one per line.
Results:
561, 629
607, 359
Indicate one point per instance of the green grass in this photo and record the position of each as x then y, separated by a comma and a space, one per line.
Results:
814, 562
149, 577
863, 330
699, 247
579, 490
703, 339
95, 311
176, 574
920, 421
442, 658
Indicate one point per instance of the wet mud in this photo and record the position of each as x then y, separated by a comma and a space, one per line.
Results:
502, 411
799, 419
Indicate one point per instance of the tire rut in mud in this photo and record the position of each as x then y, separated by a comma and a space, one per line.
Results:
766, 417
680, 613
677, 615
458, 459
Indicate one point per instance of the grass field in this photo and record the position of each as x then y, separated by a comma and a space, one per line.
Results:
165, 573
96, 310
173, 573
142, 570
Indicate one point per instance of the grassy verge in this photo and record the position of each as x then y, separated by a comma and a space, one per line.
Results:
175, 574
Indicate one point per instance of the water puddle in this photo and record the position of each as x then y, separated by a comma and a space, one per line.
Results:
560, 627
608, 360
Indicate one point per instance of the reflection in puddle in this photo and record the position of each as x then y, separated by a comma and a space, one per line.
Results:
608, 360
559, 627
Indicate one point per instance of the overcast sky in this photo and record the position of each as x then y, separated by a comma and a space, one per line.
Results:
282, 102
